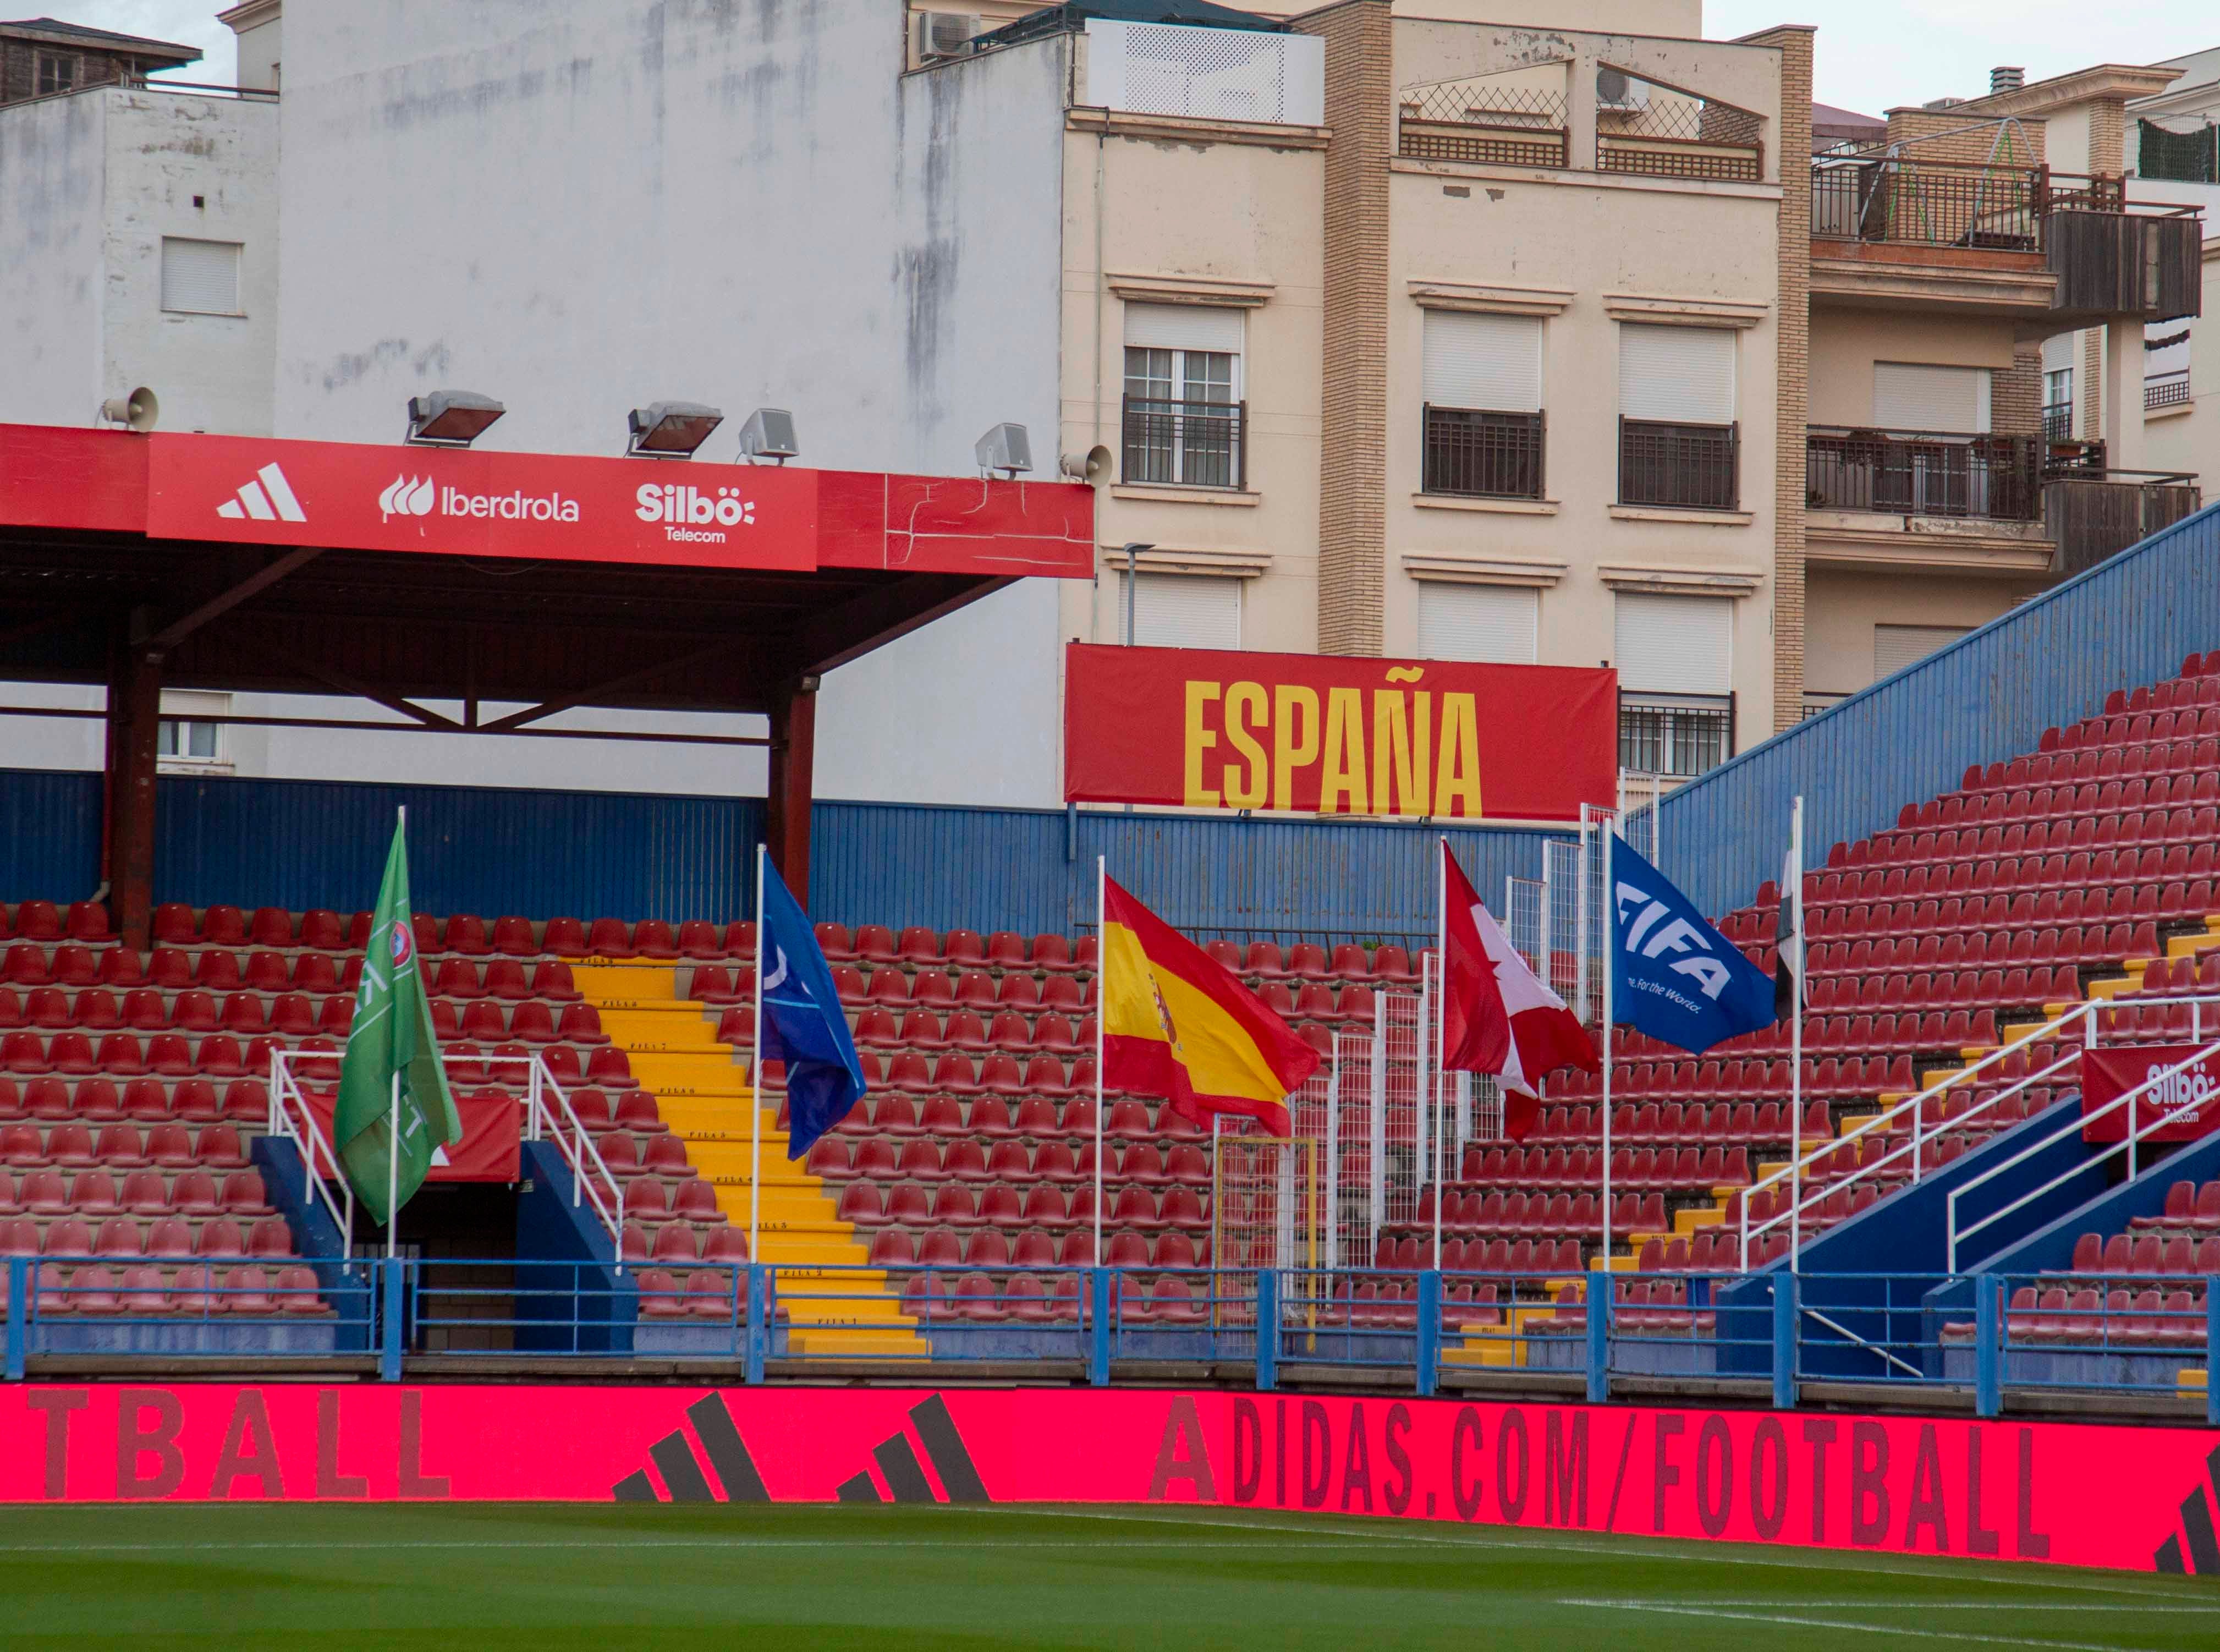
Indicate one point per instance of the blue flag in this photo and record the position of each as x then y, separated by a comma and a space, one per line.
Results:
1677, 978
802, 1022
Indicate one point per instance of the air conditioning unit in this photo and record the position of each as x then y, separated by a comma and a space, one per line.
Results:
935, 34
1616, 88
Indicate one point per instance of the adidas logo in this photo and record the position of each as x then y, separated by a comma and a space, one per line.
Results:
407, 496
2196, 1527
267, 499
677, 1465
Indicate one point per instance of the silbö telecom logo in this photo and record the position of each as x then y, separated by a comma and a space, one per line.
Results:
408, 495
690, 514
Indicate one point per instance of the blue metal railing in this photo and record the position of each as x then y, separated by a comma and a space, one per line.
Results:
1991, 1334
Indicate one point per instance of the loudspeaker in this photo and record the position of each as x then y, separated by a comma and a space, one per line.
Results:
141, 410
1092, 466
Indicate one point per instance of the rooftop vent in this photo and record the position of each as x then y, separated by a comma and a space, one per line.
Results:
2004, 78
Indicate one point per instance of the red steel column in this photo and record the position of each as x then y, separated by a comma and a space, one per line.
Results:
134, 712
793, 764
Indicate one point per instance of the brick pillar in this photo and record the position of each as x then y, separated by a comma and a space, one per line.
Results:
1792, 142
1353, 468
2016, 394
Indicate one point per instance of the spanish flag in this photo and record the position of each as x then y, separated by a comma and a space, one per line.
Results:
1177, 1023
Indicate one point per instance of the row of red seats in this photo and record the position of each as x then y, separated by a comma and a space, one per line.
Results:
1470, 1212
2198, 974
1577, 1168
145, 1100
42, 921
1824, 1076
2149, 1254
146, 1292
1011, 1033
2188, 1208
923, 1159
1037, 1117
70, 1232
1655, 1122
2159, 1022
893, 989
215, 1147
1046, 1205
2096, 870
91, 1189
709, 1293
1262, 963
948, 1247
2058, 1318
1708, 1250
976, 1299
711, 1239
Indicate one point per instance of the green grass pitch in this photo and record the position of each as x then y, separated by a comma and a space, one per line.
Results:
475, 1578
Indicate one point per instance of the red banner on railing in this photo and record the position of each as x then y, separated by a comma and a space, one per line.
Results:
490, 1149
2082, 1495
1330, 734
2109, 1072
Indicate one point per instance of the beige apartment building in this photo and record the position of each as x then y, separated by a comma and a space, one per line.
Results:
1485, 336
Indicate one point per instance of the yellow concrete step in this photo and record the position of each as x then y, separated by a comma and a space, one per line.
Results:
843, 1342
2112, 986
721, 1159
640, 1031
714, 1071
720, 1118
618, 986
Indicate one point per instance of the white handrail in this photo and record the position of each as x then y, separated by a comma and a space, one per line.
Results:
2137, 1129
285, 1096
580, 1151
1799, 1170
2093, 1013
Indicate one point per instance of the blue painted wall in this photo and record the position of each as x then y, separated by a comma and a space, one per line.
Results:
495, 850
1987, 696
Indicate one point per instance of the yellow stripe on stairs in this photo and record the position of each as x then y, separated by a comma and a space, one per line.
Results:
701, 1087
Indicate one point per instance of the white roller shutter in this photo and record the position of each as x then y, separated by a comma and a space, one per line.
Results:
1913, 397
1184, 611
200, 277
1897, 646
1492, 363
1183, 327
1679, 375
1676, 645
1496, 623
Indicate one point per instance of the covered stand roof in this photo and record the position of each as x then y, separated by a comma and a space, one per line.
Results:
321, 568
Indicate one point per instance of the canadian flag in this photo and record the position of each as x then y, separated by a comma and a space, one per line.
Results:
1496, 1017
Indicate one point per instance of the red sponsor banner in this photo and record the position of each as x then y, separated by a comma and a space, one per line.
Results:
2109, 1072
489, 1150
2082, 1495
955, 525
1328, 734
464, 502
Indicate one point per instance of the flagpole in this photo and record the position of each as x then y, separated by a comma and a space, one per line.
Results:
1441, 1028
1795, 1039
1610, 968
756, 1080
1102, 1012
393, 1176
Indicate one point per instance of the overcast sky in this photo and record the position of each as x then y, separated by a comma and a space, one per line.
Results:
1872, 53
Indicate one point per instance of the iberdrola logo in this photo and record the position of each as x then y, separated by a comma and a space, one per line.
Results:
407, 496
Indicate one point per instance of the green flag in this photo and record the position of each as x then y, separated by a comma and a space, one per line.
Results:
392, 1039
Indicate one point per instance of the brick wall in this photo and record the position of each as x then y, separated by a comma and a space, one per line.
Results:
1353, 468
1794, 371
2016, 394
1972, 141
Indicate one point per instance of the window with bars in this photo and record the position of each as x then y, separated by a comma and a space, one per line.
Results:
1681, 736
2058, 404
1183, 422
1482, 431
1679, 442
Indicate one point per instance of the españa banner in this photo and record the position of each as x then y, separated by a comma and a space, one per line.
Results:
1330, 734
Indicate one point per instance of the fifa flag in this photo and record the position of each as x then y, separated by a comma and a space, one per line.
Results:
1497, 1016
1178, 1024
391, 1067
1674, 976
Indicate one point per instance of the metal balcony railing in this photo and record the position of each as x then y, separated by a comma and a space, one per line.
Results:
1694, 467
1483, 455
1925, 473
2167, 390
1187, 444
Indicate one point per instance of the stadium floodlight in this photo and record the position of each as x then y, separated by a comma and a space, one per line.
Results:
450, 418
669, 429
769, 434
1006, 448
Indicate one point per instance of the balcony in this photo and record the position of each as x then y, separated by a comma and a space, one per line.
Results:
2165, 390
1474, 454
1925, 473
1186, 443
1891, 230
1483, 121
2092, 513
1522, 117
1679, 466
